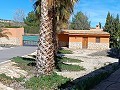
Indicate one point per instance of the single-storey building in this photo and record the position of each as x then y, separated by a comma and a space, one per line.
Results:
84, 39
15, 37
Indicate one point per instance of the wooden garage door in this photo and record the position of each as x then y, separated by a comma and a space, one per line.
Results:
85, 42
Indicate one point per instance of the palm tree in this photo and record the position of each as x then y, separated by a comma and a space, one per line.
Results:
4, 33
45, 54
48, 12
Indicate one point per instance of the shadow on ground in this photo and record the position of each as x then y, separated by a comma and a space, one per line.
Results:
114, 53
90, 80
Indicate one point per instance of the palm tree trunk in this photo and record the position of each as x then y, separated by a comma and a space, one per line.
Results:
54, 23
45, 51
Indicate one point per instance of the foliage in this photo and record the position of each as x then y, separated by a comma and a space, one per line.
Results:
63, 51
12, 26
90, 82
112, 26
70, 67
8, 80
5, 79
31, 23
47, 82
100, 25
54, 12
4, 32
65, 59
61, 64
80, 22
24, 63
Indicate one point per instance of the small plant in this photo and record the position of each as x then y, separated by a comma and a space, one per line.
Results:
8, 80
61, 66
24, 63
65, 59
69, 67
62, 51
47, 82
95, 68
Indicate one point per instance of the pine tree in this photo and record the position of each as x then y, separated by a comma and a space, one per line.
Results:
108, 22
112, 26
80, 22
100, 25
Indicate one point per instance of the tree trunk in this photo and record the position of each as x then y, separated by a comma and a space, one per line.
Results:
54, 23
45, 51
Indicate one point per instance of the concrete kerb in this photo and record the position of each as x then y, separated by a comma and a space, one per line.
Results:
5, 62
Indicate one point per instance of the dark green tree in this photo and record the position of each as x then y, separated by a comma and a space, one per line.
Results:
108, 23
100, 25
112, 26
31, 23
80, 22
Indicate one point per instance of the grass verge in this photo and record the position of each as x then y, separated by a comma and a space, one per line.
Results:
8, 80
70, 60
24, 63
48, 82
62, 51
70, 67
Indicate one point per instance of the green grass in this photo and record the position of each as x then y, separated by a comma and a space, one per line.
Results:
70, 67
8, 80
24, 63
48, 82
62, 51
62, 66
90, 82
28, 64
70, 60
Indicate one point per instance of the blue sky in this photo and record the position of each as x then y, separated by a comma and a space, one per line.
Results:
8, 8
96, 10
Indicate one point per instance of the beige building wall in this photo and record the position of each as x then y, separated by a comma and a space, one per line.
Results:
104, 43
15, 38
75, 42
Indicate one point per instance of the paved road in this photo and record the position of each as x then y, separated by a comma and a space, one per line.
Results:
16, 51
111, 83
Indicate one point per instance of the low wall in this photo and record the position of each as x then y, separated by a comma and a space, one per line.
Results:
98, 45
75, 45
10, 41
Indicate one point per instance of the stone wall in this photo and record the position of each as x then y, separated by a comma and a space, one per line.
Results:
98, 45
75, 45
10, 41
